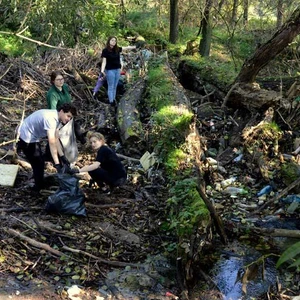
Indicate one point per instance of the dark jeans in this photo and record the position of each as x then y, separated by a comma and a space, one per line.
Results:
34, 155
102, 176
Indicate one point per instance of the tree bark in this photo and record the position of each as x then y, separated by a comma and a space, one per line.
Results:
204, 46
279, 13
281, 39
245, 12
234, 12
173, 21
128, 116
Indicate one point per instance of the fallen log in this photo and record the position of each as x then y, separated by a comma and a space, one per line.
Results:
276, 232
128, 116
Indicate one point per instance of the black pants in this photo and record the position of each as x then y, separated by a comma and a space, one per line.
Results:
102, 176
34, 155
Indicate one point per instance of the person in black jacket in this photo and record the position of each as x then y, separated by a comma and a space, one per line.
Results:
107, 168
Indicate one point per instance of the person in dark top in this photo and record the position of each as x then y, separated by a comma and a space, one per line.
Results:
111, 66
107, 168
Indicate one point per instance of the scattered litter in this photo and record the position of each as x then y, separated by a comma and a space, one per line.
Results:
232, 190
228, 181
148, 160
8, 174
238, 158
264, 191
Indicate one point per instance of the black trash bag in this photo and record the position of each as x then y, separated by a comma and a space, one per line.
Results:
68, 199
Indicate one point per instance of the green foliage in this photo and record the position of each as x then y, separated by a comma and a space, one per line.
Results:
61, 21
289, 172
291, 255
170, 121
186, 207
11, 45
159, 87
214, 69
147, 24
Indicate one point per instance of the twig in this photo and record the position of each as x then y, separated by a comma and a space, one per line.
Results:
6, 143
26, 225
32, 40
106, 205
7, 70
108, 262
284, 120
233, 120
128, 158
228, 94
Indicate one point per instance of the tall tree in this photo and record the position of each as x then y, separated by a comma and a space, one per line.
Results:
205, 43
245, 12
279, 13
264, 54
234, 12
173, 21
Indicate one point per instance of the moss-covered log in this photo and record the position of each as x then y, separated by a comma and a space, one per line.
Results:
128, 116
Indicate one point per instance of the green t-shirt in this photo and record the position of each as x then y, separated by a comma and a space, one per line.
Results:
56, 98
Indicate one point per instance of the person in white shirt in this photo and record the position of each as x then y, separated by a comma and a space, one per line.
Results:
40, 124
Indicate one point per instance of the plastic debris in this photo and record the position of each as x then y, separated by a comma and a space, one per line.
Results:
228, 181
264, 191
238, 158
232, 190
172, 296
291, 198
212, 161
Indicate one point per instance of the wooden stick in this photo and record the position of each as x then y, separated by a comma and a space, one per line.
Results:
33, 242
128, 158
108, 262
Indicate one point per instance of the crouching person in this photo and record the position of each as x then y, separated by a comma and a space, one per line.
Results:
107, 169
40, 124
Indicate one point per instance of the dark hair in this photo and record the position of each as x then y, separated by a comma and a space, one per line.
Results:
54, 74
68, 107
115, 48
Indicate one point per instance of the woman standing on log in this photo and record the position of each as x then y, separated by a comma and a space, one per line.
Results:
107, 169
111, 66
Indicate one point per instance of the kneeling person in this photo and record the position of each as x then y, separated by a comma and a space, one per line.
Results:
107, 169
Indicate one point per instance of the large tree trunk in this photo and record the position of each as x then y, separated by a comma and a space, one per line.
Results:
281, 39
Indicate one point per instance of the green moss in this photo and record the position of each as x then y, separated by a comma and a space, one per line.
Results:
289, 172
170, 124
187, 208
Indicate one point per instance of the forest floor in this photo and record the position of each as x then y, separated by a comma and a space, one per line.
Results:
54, 256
